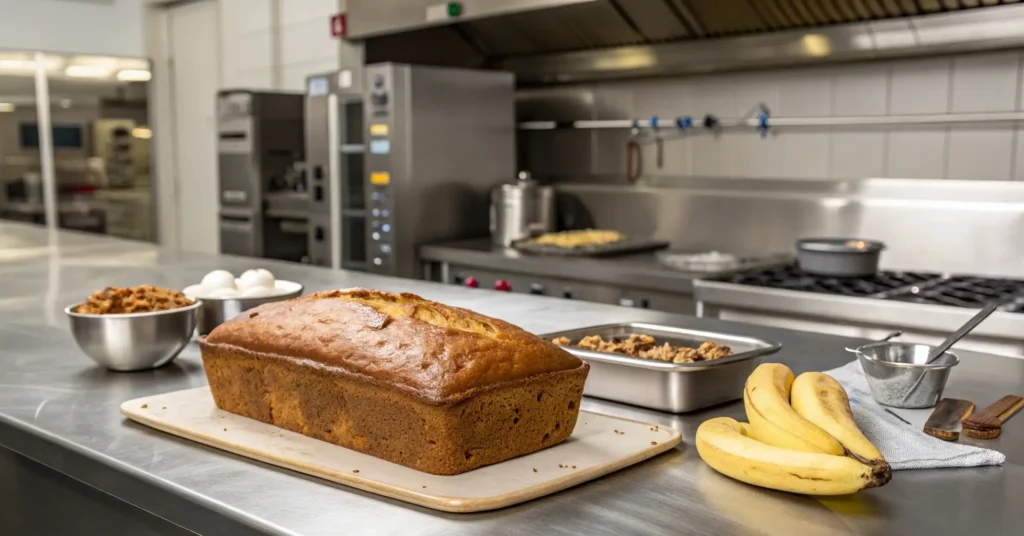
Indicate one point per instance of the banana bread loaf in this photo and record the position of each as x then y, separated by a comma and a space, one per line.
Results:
436, 388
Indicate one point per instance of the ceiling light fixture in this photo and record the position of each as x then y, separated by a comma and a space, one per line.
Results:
142, 133
134, 75
6, 106
17, 65
87, 71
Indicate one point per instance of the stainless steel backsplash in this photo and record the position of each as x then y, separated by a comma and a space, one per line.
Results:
943, 225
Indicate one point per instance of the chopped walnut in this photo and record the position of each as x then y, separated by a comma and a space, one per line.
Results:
711, 350
687, 355
645, 346
141, 299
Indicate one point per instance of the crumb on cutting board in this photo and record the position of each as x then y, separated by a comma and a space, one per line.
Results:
165, 407
355, 470
225, 429
574, 467
654, 442
534, 469
144, 406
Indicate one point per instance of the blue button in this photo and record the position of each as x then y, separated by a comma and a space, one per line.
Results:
375, 212
385, 213
385, 248
386, 228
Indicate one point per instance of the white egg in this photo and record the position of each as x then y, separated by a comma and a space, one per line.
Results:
221, 293
193, 291
257, 292
258, 278
218, 279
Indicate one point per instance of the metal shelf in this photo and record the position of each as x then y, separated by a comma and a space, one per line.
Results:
353, 148
353, 212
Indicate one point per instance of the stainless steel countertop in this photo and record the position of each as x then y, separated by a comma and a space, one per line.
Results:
640, 271
889, 313
59, 409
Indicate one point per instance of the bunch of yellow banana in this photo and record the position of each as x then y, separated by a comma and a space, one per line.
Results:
801, 437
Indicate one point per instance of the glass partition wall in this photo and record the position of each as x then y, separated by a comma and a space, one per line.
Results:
97, 153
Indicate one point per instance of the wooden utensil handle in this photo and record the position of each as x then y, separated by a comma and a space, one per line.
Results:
945, 420
987, 423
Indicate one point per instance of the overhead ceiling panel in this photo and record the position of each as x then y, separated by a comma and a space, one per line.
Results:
656, 20
730, 17
593, 25
722, 17
601, 25
602, 33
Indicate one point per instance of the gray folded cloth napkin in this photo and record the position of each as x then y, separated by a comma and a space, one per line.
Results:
903, 445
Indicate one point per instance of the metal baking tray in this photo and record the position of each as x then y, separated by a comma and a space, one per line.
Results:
671, 387
622, 247
681, 260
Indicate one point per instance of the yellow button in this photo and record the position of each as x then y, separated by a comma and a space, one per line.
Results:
378, 129
380, 177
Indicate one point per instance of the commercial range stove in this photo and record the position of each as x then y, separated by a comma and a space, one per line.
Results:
925, 305
917, 287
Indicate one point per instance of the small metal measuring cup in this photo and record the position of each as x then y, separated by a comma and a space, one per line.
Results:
900, 376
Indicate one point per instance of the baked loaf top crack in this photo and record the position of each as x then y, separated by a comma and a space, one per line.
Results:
439, 353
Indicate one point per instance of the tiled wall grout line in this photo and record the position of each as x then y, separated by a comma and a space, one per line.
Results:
1016, 174
888, 111
951, 75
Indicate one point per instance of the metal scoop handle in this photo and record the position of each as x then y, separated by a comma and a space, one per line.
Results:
887, 338
960, 333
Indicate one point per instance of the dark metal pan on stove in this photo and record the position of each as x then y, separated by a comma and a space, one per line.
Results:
840, 257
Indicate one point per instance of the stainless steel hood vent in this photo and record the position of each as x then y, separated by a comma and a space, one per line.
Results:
549, 40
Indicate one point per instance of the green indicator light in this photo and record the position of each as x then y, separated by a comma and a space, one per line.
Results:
454, 9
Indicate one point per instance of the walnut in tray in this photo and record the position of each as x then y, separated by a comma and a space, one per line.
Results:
647, 347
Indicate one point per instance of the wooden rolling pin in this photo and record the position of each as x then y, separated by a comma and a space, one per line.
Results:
987, 424
945, 420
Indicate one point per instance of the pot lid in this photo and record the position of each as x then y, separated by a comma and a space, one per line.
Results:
840, 245
524, 181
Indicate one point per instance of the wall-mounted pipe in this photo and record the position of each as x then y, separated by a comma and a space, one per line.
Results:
764, 121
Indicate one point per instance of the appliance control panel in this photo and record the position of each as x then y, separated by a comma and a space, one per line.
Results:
380, 229
570, 290
380, 203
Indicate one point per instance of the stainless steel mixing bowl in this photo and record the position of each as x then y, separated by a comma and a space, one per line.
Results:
898, 375
216, 311
136, 341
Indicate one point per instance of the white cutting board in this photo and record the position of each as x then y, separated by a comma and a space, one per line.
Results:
599, 445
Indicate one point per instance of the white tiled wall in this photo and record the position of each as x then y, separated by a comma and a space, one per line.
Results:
306, 43
246, 43
969, 83
275, 44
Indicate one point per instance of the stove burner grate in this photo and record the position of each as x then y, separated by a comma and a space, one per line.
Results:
791, 277
965, 291
915, 287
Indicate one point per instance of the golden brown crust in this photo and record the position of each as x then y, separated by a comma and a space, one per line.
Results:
433, 351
